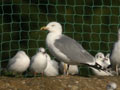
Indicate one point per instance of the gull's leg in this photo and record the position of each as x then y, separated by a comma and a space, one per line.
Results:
65, 68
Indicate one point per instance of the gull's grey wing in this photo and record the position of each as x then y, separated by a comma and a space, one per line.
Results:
73, 50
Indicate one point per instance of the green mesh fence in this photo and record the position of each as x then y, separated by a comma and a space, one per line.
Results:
93, 23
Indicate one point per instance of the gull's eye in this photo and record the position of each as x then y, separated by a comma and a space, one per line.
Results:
53, 25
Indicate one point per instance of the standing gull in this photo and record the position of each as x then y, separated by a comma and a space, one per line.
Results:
64, 48
115, 55
19, 63
52, 68
38, 62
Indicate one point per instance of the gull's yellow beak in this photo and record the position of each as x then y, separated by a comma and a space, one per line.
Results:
43, 28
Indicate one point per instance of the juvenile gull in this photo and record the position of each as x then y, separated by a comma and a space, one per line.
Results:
19, 63
64, 48
115, 55
38, 62
52, 68
69, 70
102, 60
104, 63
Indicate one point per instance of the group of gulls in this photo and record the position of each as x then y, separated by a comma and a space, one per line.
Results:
41, 62
70, 54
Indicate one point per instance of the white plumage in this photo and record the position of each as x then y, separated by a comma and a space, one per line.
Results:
52, 68
115, 55
64, 48
104, 62
19, 63
71, 70
39, 61
99, 57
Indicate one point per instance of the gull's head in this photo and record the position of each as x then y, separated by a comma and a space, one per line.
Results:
41, 49
111, 86
21, 52
53, 27
99, 55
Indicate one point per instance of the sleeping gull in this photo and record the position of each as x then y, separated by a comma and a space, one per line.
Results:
115, 55
38, 62
66, 49
19, 63
52, 68
69, 70
111, 86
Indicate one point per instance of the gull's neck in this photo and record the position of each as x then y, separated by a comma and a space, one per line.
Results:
52, 36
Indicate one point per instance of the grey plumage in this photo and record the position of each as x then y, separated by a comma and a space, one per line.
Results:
73, 50
64, 48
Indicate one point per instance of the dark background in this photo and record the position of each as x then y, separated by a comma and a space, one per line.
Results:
93, 23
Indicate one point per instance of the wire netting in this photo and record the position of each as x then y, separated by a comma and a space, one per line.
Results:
93, 23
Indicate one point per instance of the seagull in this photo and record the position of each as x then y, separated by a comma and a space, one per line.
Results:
111, 86
19, 63
115, 55
52, 68
104, 62
66, 49
38, 62
69, 70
